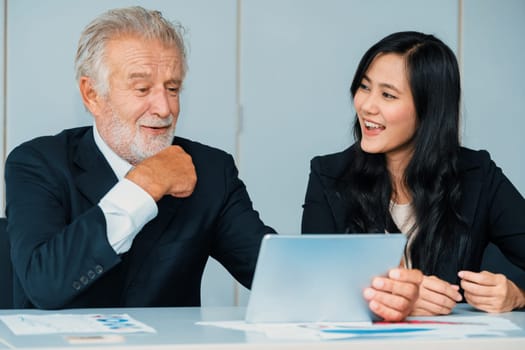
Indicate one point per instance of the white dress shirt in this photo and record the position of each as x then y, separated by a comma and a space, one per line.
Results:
126, 207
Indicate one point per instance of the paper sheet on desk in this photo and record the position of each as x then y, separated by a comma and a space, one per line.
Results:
431, 327
27, 324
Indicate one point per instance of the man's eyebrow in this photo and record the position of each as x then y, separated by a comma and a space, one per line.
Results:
174, 81
138, 75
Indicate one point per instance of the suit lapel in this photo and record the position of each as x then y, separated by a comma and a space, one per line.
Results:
94, 177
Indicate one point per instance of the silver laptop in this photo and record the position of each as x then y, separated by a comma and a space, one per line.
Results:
314, 278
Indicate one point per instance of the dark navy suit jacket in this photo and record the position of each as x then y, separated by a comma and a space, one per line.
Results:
491, 205
59, 247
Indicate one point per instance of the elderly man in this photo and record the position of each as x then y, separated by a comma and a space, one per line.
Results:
123, 213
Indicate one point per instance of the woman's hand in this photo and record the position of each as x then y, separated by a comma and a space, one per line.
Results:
491, 292
392, 298
436, 297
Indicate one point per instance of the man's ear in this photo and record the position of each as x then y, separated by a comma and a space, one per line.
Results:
91, 98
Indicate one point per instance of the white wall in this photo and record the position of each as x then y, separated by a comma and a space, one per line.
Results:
494, 82
2, 99
296, 61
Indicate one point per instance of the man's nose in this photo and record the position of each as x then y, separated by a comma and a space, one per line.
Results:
159, 104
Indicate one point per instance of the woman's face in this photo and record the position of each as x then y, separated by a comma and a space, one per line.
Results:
385, 108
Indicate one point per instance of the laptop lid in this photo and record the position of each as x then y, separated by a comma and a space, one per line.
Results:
314, 278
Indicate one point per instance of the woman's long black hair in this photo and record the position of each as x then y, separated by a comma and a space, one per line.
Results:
432, 174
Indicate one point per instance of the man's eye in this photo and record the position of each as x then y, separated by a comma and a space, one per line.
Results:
173, 91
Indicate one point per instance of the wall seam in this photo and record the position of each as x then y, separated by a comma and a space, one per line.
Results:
4, 83
460, 63
460, 35
4, 107
239, 112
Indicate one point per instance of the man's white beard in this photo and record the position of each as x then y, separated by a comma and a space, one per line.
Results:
133, 146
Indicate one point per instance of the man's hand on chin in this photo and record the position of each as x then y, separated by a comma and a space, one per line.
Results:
169, 172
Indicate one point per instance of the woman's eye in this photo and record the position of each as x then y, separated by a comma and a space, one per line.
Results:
363, 86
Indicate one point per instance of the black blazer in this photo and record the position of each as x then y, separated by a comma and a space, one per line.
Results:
59, 247
491, 205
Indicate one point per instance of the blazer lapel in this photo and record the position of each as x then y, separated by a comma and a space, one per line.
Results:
336, 202
331, 171
470, 188
94, 177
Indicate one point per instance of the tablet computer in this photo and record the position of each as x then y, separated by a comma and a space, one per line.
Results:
320, 277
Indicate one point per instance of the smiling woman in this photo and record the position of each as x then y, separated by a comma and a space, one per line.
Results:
386, 114
407, 172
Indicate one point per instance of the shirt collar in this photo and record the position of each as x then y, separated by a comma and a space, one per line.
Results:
119, 166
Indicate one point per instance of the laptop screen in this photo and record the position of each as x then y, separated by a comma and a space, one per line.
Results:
314, 278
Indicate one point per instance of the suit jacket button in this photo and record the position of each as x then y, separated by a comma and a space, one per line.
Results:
99, 269
91, 274
77, 285
84, 280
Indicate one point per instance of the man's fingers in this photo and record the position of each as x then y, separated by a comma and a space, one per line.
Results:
169, 172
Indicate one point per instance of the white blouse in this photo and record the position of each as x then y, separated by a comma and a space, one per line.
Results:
405, 219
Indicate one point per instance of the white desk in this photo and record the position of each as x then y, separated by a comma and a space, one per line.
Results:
176, 329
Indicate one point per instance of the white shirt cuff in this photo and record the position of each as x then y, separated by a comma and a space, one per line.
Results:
127, 208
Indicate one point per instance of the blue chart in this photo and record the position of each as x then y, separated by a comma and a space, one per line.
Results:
120, 323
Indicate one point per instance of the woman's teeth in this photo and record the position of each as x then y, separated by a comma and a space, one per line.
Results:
369, 125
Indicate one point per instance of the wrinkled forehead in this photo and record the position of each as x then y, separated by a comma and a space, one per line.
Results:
132, 57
